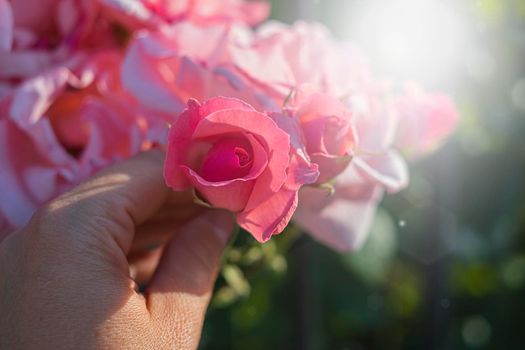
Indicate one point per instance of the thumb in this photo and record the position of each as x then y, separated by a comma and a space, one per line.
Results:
179, 293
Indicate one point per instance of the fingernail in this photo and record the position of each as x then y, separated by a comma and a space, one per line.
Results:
221, 223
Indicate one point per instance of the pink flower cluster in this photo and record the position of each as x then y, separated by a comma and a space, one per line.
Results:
275, 124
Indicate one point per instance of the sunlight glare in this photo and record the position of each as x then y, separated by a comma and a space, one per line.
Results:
412, 37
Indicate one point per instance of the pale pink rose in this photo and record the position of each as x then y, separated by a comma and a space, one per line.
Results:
329, 135
343, 218
239, 159
281, 58
425, 120
59, 128
154, 13
376, 159
163, 69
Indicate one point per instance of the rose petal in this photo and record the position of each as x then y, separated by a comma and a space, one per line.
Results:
141, 75
34, 97
114, 134
179, 142
320, 104
231, 195
220, 103
24, 64
301, 171
271, 216
6, 26
329, 166
129, 12
17, 203
341, 223
388, 169
426, 119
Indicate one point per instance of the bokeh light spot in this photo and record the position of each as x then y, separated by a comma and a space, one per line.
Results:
476, 331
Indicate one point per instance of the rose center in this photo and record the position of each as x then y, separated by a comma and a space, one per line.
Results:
244, 157
227, 159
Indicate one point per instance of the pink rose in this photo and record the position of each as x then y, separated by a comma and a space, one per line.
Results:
154, 13
53, 33
163, 69
377, 160
59, 128
342, 219
329, 134
425, 120
42, 35
281, 58
238, 159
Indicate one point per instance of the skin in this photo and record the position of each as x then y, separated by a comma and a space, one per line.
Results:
69, 279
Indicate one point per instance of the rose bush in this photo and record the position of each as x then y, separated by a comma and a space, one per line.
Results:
349, 122
84, 83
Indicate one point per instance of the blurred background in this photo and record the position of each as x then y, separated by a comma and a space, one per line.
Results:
444, 266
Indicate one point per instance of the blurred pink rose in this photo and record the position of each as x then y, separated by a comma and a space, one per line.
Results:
154, 13
163, 69
43, 35
377, 160
49, 34
340, 216
343, 218
59, 128
329, 134
238, 159
425, 120
285, 58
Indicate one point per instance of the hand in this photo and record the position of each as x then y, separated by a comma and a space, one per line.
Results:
68, 277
